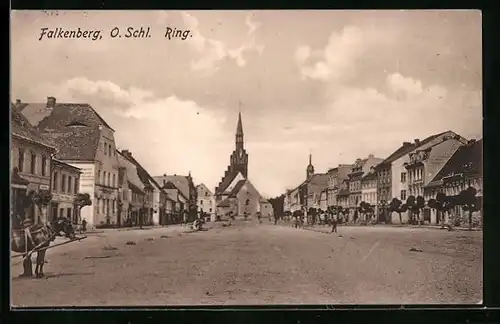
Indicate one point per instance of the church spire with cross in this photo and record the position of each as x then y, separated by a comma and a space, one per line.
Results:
310, 168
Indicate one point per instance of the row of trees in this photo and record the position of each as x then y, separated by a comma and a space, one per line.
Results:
42, 198
443, 204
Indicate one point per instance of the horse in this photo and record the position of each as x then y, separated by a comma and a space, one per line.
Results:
39, 236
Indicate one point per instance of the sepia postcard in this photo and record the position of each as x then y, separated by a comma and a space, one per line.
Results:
180, 158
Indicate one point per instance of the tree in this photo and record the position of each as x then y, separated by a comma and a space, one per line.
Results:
81, 200
469, 202
397, 206
41, 199
442, 204
415, 205
363, 209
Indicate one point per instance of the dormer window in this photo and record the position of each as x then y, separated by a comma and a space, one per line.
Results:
76, 123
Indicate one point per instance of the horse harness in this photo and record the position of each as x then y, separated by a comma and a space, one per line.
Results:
28, 234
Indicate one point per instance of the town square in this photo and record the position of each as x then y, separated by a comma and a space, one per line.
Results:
247, 173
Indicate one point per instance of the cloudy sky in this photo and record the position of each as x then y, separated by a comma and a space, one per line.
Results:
339, 84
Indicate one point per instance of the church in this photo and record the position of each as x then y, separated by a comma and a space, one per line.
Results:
235, 194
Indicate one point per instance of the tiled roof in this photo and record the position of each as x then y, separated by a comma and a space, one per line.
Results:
467, 160
407, 148
75, 143
134, 187
237, 188
66, 165
61, 115
226, 182
181, 182
143, 175
224, 203
131, 168
20, 126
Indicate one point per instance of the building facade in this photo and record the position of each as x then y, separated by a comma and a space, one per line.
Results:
31, 163
336, 176
206, 200
84, 140
65, 186
463, 170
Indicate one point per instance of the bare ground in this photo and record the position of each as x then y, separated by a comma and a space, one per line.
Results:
259, 264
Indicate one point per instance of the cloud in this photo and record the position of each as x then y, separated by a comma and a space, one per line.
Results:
214, 51
338, 58
167, 135
399, 83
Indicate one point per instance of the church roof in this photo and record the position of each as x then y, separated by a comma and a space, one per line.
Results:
226, 182
224, 203
237, 188
239, 128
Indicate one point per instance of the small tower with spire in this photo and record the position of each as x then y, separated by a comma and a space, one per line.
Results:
310, 168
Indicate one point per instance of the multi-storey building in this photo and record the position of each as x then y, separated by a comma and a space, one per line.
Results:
84, 140
65, 186
369, 188
31, 163
206, 200
463, 170
360, 169
335, 178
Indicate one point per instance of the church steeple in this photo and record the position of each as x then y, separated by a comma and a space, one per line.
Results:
239, 133
310, 168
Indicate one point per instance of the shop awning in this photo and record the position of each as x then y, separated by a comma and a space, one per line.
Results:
17, 181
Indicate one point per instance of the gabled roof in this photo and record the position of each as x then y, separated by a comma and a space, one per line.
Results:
143, 175
343, 192
132, 175
237, 188
226, 182
205, 188
181, 182
224, 203
66, 165
61, 115
408, 147
75, 144
467, 160
21, 127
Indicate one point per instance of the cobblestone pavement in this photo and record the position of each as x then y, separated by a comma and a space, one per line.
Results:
249, 263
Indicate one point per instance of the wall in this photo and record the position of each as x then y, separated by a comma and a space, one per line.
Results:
266, 209
156, 205
106, 177
38, 180
396, 169
64, 199
248, 192
87, 185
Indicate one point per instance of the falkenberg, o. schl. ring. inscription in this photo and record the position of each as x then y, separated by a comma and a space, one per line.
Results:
75, 33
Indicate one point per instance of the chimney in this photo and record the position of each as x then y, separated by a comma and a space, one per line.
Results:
51, 102
417, 141
18, 102
127, 153
406, 143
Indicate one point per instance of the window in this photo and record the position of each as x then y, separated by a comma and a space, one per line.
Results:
68, 214
210, 210
105, 148
114, 206
403, 177
206, 194
103, 178
109, 179
61, 212
109, 150
76, 186
114, 179
54, 184
33, 163
98, 177
403, 194
70, 184
44, 165
201, 202
103, 203
63, 183
20, 162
